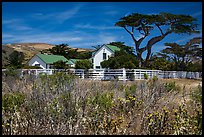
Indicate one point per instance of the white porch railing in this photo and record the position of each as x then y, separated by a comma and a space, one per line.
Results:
110, 74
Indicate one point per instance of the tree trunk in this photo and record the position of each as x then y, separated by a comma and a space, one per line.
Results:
149, 45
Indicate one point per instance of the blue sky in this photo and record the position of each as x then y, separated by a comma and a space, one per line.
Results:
85, 24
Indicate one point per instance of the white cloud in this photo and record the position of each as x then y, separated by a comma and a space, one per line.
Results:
16, 25
47, 38
7, 36
95, 40
20, 27
58, 17
89, 26
9, 21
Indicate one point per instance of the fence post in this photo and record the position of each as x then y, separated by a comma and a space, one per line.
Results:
36, 73
197, 75
140, 74
134, 74
103, 74
124, 74
83, 74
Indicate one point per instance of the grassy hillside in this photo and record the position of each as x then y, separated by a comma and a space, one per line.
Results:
29, 50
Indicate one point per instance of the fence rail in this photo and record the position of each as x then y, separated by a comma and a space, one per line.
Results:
111, 74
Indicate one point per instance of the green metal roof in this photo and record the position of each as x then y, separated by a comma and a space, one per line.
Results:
113, 48
73, 61
50, 59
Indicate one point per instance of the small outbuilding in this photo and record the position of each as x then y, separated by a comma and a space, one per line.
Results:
72, 62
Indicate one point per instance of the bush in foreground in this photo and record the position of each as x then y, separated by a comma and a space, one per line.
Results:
64, 104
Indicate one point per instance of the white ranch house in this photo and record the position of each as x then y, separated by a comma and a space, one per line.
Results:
103, 53
45, 61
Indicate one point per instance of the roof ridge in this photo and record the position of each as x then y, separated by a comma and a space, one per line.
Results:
49, 59
113, 49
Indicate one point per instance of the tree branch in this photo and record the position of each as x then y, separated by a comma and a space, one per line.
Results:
142, 49
128, 30
141, 39
132, 35
159, 29
152, 41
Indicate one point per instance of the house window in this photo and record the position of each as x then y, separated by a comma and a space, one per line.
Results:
37, 65
104, 56
97, 67
92, 60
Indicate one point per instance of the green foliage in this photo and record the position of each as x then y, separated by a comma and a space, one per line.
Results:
194, 67
83, 55
12, 101
160, 63
69, 103
32, 67
122, 46
171, 86
158, 122
146, 76
111, 63
69, 53
155, 78
61, 49
130, 91
197, 94
83, 64
183, 55
16, 58
176, 122
57, 80
11, 71
103, 101
144, 24
121, 59
62, 104
60, 65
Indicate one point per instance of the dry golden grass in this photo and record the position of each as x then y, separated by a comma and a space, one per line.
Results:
63, 104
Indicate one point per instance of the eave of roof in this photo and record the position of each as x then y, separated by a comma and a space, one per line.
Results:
110, 47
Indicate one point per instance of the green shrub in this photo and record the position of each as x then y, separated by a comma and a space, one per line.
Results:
104, 101
60, 65
11, 72
12, 101
32, 67
171, 86
155, 78
83, 64
197, 94
130, 90
177, 122
146, 76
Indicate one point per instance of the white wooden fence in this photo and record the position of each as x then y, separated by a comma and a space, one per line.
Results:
111, 74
